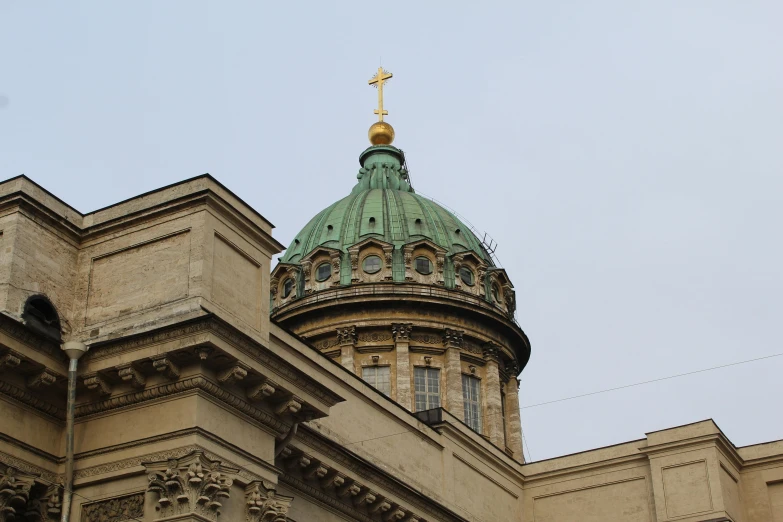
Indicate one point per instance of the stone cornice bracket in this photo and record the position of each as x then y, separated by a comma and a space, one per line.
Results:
9, 361
365, 497
131, 375
402, 331
381, 506
335, 480
316, 472
349, 489
492, 352
264, 504
233, 374
203, 352
164, 366
191, 484
262, 390
452, 338
42, 378
289, 406
394, 515
97, 383
346, 336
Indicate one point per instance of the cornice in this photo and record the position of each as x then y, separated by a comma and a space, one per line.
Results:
212, 325
715, 439
371, 473
31, 469
302, 487
29, 400
14, 327
196, 383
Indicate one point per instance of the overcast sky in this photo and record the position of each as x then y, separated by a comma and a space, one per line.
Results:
626, 156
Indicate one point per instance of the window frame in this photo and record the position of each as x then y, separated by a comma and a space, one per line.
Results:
318, 268
471, 400
416, 265
366, 258
288, 291
427, 396
467, 269
375, 382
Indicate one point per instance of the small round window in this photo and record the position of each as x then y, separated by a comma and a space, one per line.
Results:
323, 272
466, 274
423, 265
496, 293
288, 287
372, 264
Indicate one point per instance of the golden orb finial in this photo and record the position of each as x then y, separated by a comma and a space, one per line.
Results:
380, 133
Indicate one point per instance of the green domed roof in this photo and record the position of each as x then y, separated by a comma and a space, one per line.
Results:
383, 205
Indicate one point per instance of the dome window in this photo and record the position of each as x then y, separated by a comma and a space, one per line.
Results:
323, 272
496, 293
288, 287
423, 265
457, 231
466, 274
329, 228
418, 221
372, 264
372, 220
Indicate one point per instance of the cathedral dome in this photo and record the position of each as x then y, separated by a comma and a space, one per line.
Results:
384, 206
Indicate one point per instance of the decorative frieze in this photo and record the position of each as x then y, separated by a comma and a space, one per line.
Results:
264, 504
120, 509
193, 484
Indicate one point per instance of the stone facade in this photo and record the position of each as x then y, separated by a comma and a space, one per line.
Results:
193, 406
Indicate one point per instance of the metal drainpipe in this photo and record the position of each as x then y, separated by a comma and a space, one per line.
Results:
74, 350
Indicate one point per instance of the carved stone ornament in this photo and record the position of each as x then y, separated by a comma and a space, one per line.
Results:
22, 499
165, 366
97, 383
131, 375
127, 508
42, 378
452, 338
347, 336
402, 331
264, 504
492, 352
8, 362
191, 484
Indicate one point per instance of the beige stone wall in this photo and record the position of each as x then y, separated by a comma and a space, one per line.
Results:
186, 370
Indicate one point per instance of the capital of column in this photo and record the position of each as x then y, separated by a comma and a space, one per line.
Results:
347, 336
402, 331
264, 504
492, 352
452, 338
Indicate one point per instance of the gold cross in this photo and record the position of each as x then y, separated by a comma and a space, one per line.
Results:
377, 81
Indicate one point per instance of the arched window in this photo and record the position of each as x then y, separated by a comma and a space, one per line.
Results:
323, 272
288, 287
40, 315
423, 265
466, 274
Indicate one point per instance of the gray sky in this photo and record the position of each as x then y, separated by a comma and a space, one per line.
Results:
626, 156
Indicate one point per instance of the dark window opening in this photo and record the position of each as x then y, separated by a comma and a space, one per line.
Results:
40, 315
372, 264
288, 286
423, 265
323, 272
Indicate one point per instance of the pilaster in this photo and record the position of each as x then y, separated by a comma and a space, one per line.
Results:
513, 419
493, 410
402, 337
452, 340
347, 339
